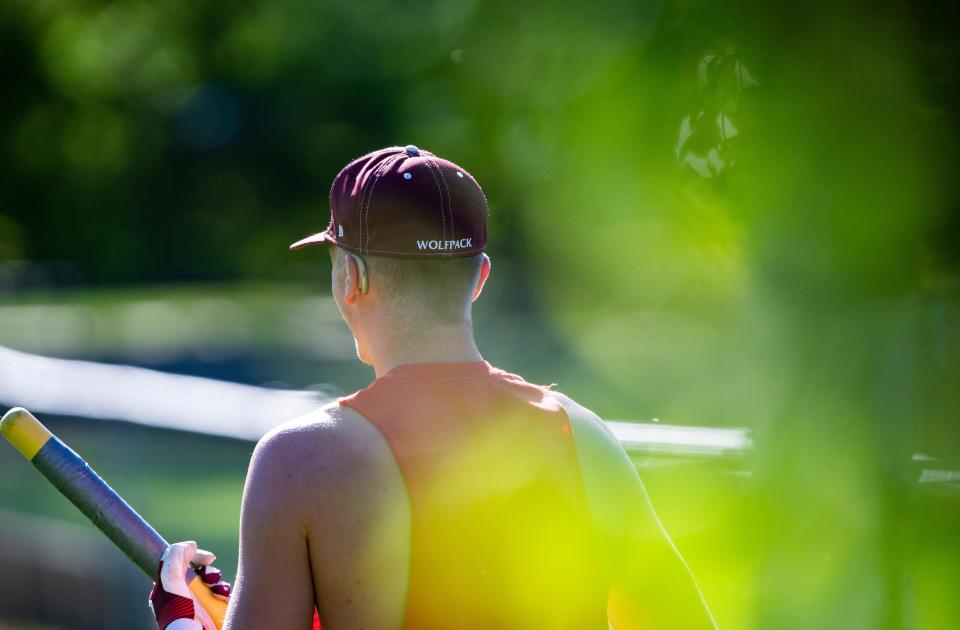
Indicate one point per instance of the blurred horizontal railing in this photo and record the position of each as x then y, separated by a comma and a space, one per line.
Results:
190, 403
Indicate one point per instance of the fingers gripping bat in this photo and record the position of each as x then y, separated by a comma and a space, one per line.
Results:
79, 483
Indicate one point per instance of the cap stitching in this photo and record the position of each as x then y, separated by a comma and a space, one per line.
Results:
366, 215
435, 171
486, 213
443, 180
363, 195
443, 217
446, 188
367, 190
333, 219
486, 207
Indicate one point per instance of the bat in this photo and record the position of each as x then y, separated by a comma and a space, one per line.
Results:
79, 483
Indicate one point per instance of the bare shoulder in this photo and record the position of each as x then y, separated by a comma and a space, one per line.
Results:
329, 428
325, 496
608, 474
594, 439
310, 456
337, 473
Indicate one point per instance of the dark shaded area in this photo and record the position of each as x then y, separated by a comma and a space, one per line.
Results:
162, 143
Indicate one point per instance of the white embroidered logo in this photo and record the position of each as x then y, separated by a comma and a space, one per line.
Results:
340, 231
463, 243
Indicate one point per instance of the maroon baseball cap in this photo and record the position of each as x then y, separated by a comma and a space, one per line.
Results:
404, 201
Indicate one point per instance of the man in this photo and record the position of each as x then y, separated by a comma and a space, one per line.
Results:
447, 494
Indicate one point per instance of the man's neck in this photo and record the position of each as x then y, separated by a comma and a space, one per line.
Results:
439, 344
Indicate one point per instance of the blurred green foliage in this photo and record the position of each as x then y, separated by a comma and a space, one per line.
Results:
731, 213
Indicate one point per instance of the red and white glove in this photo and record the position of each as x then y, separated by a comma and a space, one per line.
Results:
172, 601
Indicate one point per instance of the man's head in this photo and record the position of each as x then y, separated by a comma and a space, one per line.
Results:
407, 233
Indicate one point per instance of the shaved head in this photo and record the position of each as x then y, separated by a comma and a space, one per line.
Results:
433, 291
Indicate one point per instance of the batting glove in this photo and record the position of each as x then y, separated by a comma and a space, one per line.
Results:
172, 601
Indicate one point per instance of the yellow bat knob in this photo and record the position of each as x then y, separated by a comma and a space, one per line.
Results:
25, 432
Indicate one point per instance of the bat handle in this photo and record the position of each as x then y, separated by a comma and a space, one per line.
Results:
215, 607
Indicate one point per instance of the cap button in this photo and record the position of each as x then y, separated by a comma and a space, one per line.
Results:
411, 150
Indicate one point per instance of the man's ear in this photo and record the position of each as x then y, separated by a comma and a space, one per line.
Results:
484, 274
356, 278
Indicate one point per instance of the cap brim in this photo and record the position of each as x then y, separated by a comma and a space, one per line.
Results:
320, 237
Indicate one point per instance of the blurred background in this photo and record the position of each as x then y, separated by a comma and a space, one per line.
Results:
732, 227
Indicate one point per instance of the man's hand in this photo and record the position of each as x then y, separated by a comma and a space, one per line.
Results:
172, 601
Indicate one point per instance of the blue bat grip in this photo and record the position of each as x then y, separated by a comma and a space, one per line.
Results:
101, 504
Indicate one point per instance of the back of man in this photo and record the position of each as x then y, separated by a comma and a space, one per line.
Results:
501, 533
456, 496
448, 493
